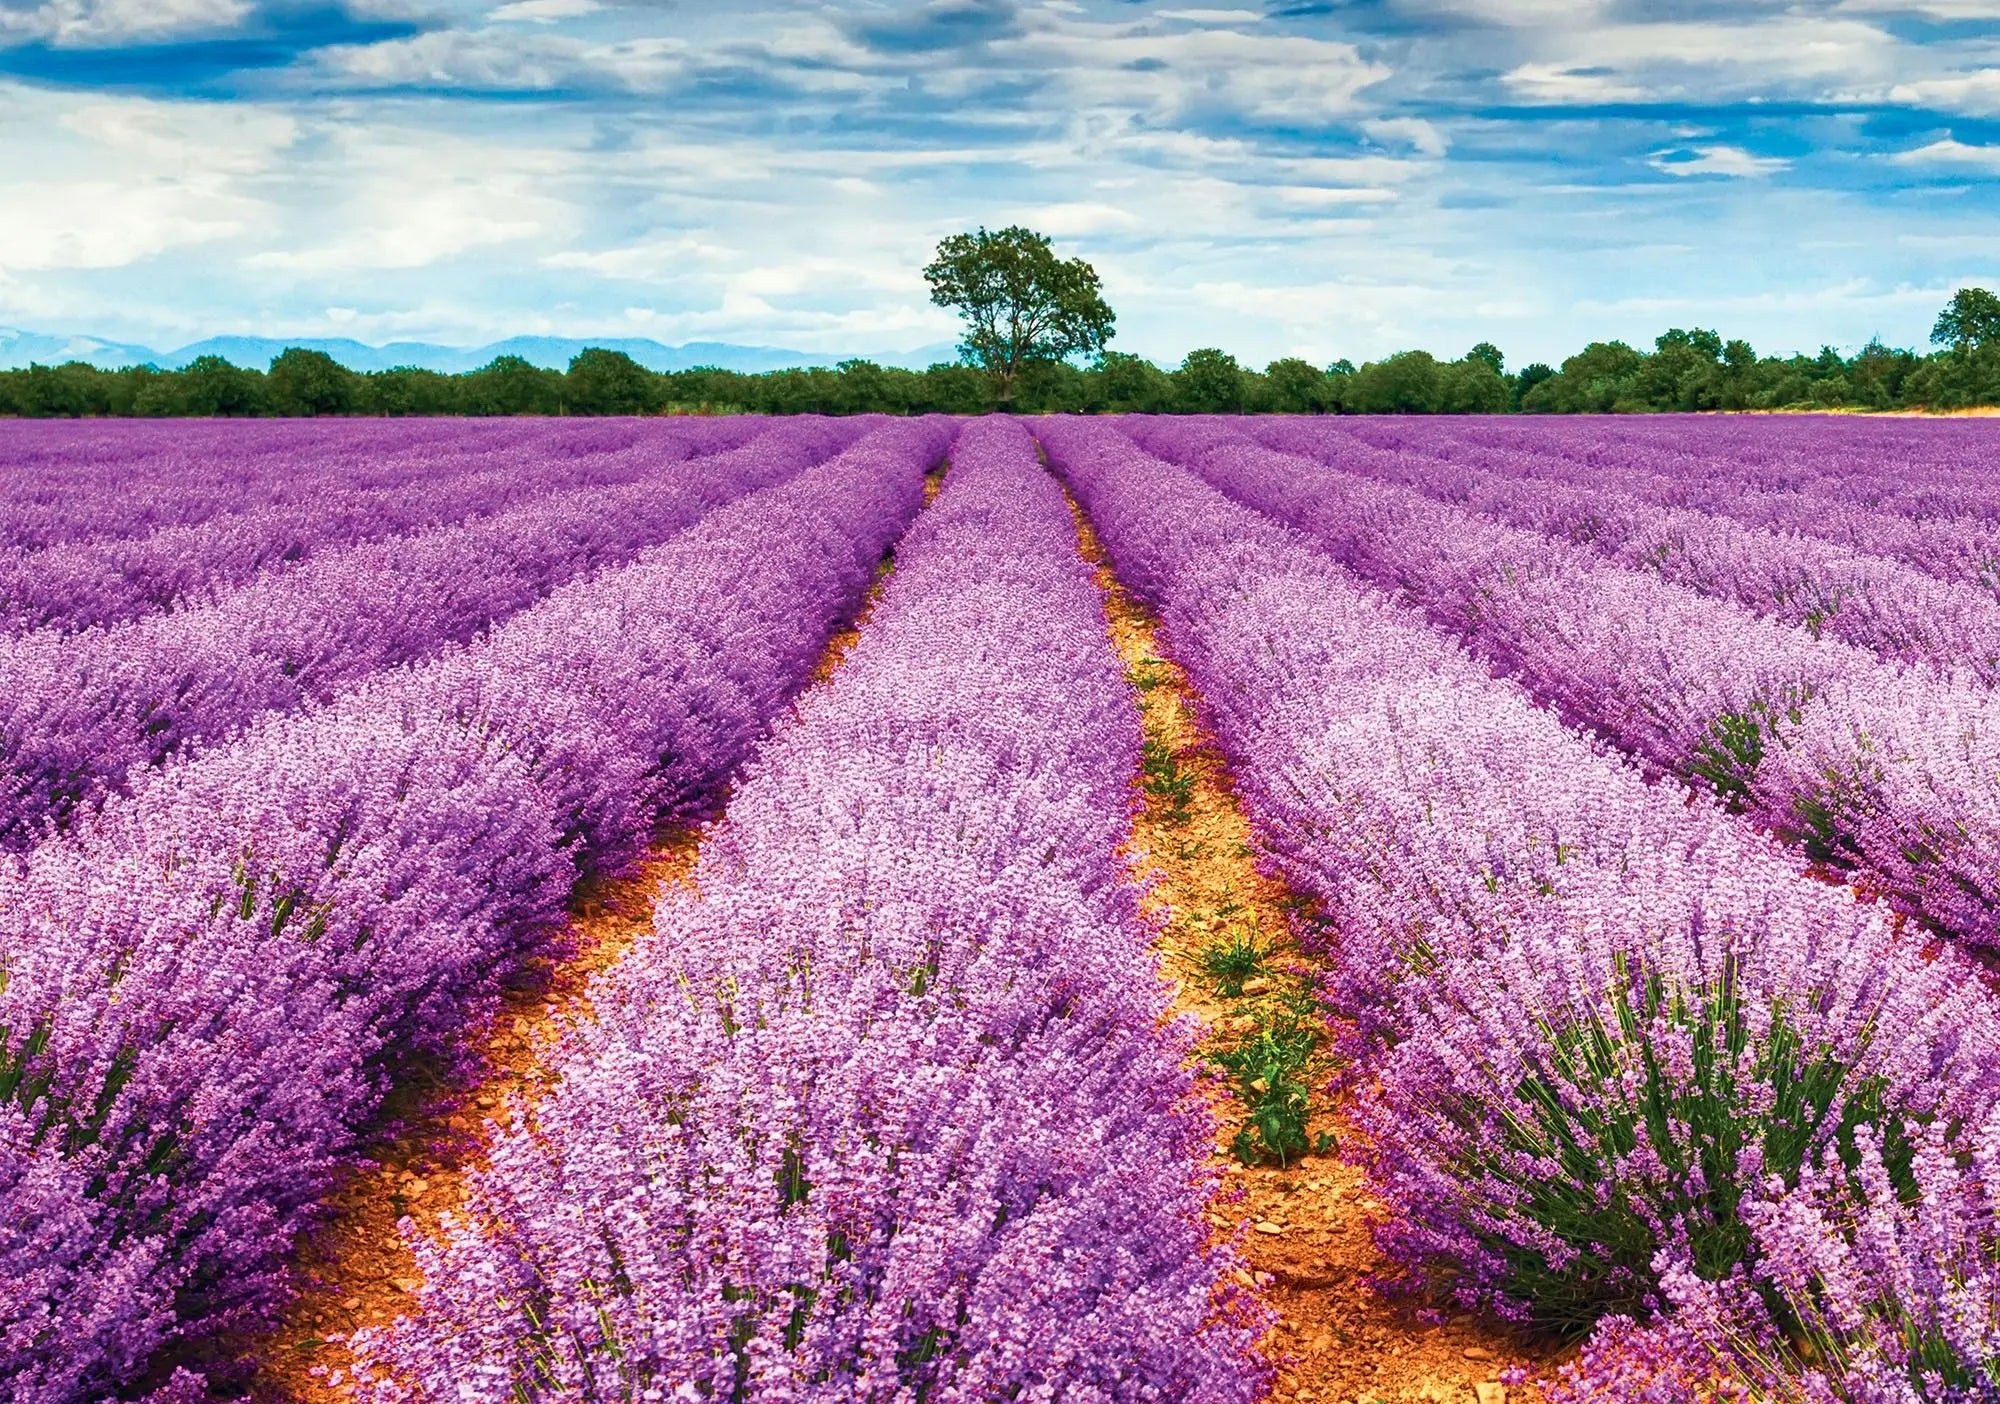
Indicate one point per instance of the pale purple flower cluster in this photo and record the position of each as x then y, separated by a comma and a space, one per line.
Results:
1615, 1052
886, 1106
1876, 603
1835, 491
1889, 772
82, 710
210, 985
102, 580
121, 479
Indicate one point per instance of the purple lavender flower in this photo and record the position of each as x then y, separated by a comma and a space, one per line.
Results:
1599, 1022
83, 711
887, 1108
211, 984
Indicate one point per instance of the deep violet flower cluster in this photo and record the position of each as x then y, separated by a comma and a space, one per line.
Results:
1875, 603
1615, 1053
885, 1107
105, 580
82, 710
1892, 773
211, 984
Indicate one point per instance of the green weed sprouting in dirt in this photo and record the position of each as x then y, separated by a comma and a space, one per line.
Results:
1148, 673
1233, 964
1167, 780
1270, 1069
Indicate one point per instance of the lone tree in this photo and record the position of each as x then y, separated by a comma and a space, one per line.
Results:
1970, 320
1020, 302
304, 383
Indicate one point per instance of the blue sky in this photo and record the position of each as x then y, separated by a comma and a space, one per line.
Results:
1315, 177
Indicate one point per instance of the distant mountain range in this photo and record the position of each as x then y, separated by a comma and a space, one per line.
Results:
21, 348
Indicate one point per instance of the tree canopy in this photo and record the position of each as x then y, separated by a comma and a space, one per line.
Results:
1969, 321
1686, 369
1021, 303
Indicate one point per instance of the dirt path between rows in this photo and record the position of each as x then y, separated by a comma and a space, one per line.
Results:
1304, 1227
359, 1269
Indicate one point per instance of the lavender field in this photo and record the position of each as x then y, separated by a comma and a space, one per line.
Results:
1109, 909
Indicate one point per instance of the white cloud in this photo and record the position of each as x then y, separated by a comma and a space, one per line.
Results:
191, 142
410, 198
1321, 197
104, 224
1718, 160
1847, 293
508, 60
1414, 132
1165, 66
1512, 13
391, 225
82, 22
1697, 59
1570, 84
1079, 217
1175, 74
651, 260
102, 183
1976, 93
544, 11
1933, 9
1951, 152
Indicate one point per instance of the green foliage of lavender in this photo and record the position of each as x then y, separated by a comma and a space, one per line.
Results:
1616, 1054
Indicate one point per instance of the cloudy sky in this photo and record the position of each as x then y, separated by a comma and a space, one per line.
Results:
1317, 177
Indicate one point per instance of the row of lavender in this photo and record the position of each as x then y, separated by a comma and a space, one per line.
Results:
83, 711
1615, 1056
1934, 468
885, 1107
1874, 602
99, 579
1890, 772
62, 484
210, 985
1913, 521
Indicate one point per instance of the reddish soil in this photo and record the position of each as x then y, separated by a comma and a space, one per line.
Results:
358, 1269
1304, 1229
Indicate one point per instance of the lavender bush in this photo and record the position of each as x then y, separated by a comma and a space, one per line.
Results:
65, 483
84, 710
1604, 1027
1894, 609
106, 580
210, 985
889, 1110
1837, 505
1888, 773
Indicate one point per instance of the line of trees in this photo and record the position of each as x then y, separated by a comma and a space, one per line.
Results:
1685, 370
